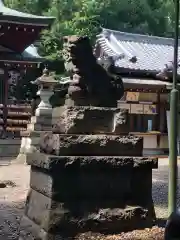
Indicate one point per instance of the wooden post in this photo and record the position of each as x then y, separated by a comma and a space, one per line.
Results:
5, 103
158, 118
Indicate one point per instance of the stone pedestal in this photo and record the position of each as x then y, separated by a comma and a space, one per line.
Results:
30, 138
88, 182
88, 174
41, 122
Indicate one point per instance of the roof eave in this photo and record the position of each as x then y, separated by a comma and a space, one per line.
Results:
138, 71
44, 21
24, 59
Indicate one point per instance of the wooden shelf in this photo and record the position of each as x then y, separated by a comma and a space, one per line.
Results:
21, 107
22, 114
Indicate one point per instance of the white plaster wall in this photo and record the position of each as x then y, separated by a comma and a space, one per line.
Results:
150, 141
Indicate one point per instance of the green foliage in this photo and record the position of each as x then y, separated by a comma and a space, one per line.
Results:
85, 17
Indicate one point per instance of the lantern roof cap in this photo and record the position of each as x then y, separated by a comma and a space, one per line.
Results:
46, 78
14, 16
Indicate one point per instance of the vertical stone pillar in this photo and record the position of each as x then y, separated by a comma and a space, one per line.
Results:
42, 121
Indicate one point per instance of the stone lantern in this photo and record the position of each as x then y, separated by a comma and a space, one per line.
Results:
46, 84
42, 121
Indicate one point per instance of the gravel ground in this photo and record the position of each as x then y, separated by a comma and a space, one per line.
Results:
12, 200
160, 188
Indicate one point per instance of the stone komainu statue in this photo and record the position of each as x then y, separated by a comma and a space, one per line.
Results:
108, 64
89, 77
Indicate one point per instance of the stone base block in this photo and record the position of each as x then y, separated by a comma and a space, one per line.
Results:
88, 145
31, 231
57, 218
39, 127
30, 141
40, 123
70, 195
92, 120
9, 148
88, 163
45, 112
44, 120
85, 185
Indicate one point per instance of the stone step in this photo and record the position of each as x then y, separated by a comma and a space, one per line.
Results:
91, 145
88, 163
92, 120
9, 148
60, 217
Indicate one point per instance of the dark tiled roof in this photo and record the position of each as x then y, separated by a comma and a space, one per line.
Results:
129, 83
135, 51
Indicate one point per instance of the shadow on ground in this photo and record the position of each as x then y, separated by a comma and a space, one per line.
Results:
10, 216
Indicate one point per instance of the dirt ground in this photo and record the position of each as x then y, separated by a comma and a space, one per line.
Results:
12, 200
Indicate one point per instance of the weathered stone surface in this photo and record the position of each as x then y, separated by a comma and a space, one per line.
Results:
88, 78
145, 162
121, 122
84, 174
90, 120
32, 134
38, 127
56, 217
44, 211
40, 123
43, 112
138, 186
88, 163
31, 231
30, 141
42, 120
83, 185
91, 145
43, 182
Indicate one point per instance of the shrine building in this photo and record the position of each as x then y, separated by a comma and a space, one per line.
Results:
142, 61
18, 32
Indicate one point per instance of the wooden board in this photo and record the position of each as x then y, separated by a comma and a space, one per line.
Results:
137, 109
132, 96
150, 109
125, 106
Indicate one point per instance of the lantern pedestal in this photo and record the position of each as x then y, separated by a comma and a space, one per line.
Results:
42, 121
44, 108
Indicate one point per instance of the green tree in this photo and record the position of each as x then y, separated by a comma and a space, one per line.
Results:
85, 17
29, 6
